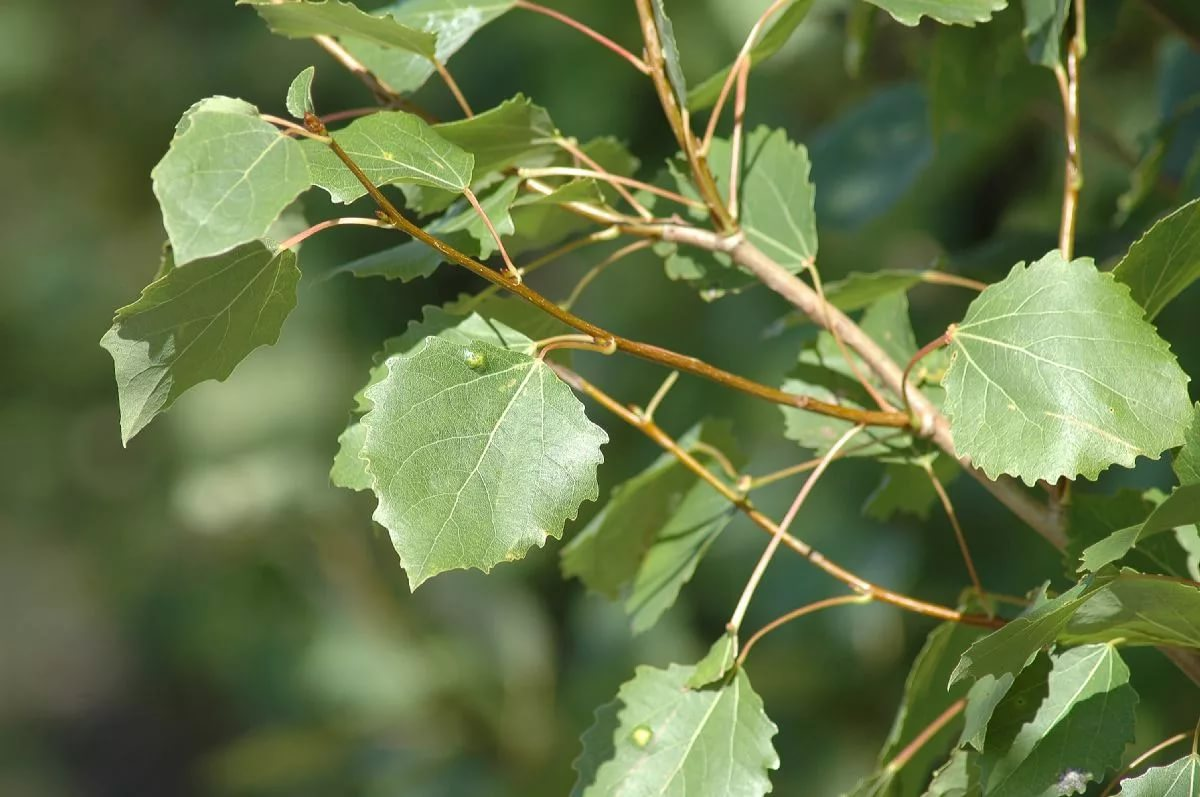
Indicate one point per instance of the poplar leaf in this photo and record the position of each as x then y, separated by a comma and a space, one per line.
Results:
669, 739
1178, 779
476, 454
958, 777
960, 12
389, 147
1140, 610
1044, 22
226, 178
1164, 261
302, 19
670, 51
1181, 508
1187, 461
1055, 373
195, 323
299, 95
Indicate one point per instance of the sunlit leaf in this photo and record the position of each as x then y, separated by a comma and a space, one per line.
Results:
1164, 261
389, 147
299, 95
302, 19
1055, 373
777, 198
476, 454
1187, 461
959, 12
1178, 779
1070, 736
226, 177
197, 323
705, 94
668, 739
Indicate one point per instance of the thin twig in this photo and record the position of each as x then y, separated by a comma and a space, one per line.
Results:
718, 456
958, 532
600, 173
1143, 758
659, 395
942, 278
617, 182
735, 146
601, 267
743, 504
325, 225
599, 38
513, 271
451, 84
382, 91
922, 353
291, 127
794, 614
760, 568
804, 467
922, 738
1068, 87
646, 351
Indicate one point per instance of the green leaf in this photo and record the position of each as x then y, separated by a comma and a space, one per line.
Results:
705, 95
299, 95
225, 178
1181, 508
452, 22
1044, 22
906, 488
196, 323
1178, 779
1164, 261
349, 469
990, 692
389, 147
670, 51
496, 205
867, 159
860, 289
1187, 461
476, 454
1140, 610
598, 746
405, 262
959, 777
1009, 650
777, 198
1071, 737
925, 699
1055, 373
644, 545
958, 12
716, 663
669, 739
302, 19
1094, 517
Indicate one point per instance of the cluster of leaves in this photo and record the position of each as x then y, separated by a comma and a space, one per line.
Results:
477, 451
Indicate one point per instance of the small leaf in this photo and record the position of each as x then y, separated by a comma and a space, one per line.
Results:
1181, 508
705, 95
226, 177
716, 663
1094, 517
1178, 779
452, 22
1187, 461
299, 95
1055, 373
476, 454
197, 323
1164, 261
389, 147
302, 19
1139, 610
349, 471
670, 51
1044, 22
1072, 736
906, 489
960, 12
669, 739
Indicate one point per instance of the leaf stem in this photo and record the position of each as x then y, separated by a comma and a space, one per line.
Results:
743, 504
922, 353
794, 614
739, 611
942, 278
659, 395
618, 182
1144, 757
291, 127
646, 351
325, 225
599, 268
601, 173
512, 269
718, 456
735, 147
803, 467
595, 36
451, 84
944, 497
922, 738
382, 91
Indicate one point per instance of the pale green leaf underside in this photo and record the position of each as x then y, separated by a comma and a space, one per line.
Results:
299, 95
453, 22
1178, 779
225, 178
196, 323
1055, 373
706, 93
1164, 261
301, 19
948, 12
1077, 733
671, 740
476, 454
389, 147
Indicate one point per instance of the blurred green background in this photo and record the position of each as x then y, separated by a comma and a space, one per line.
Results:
204, 613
